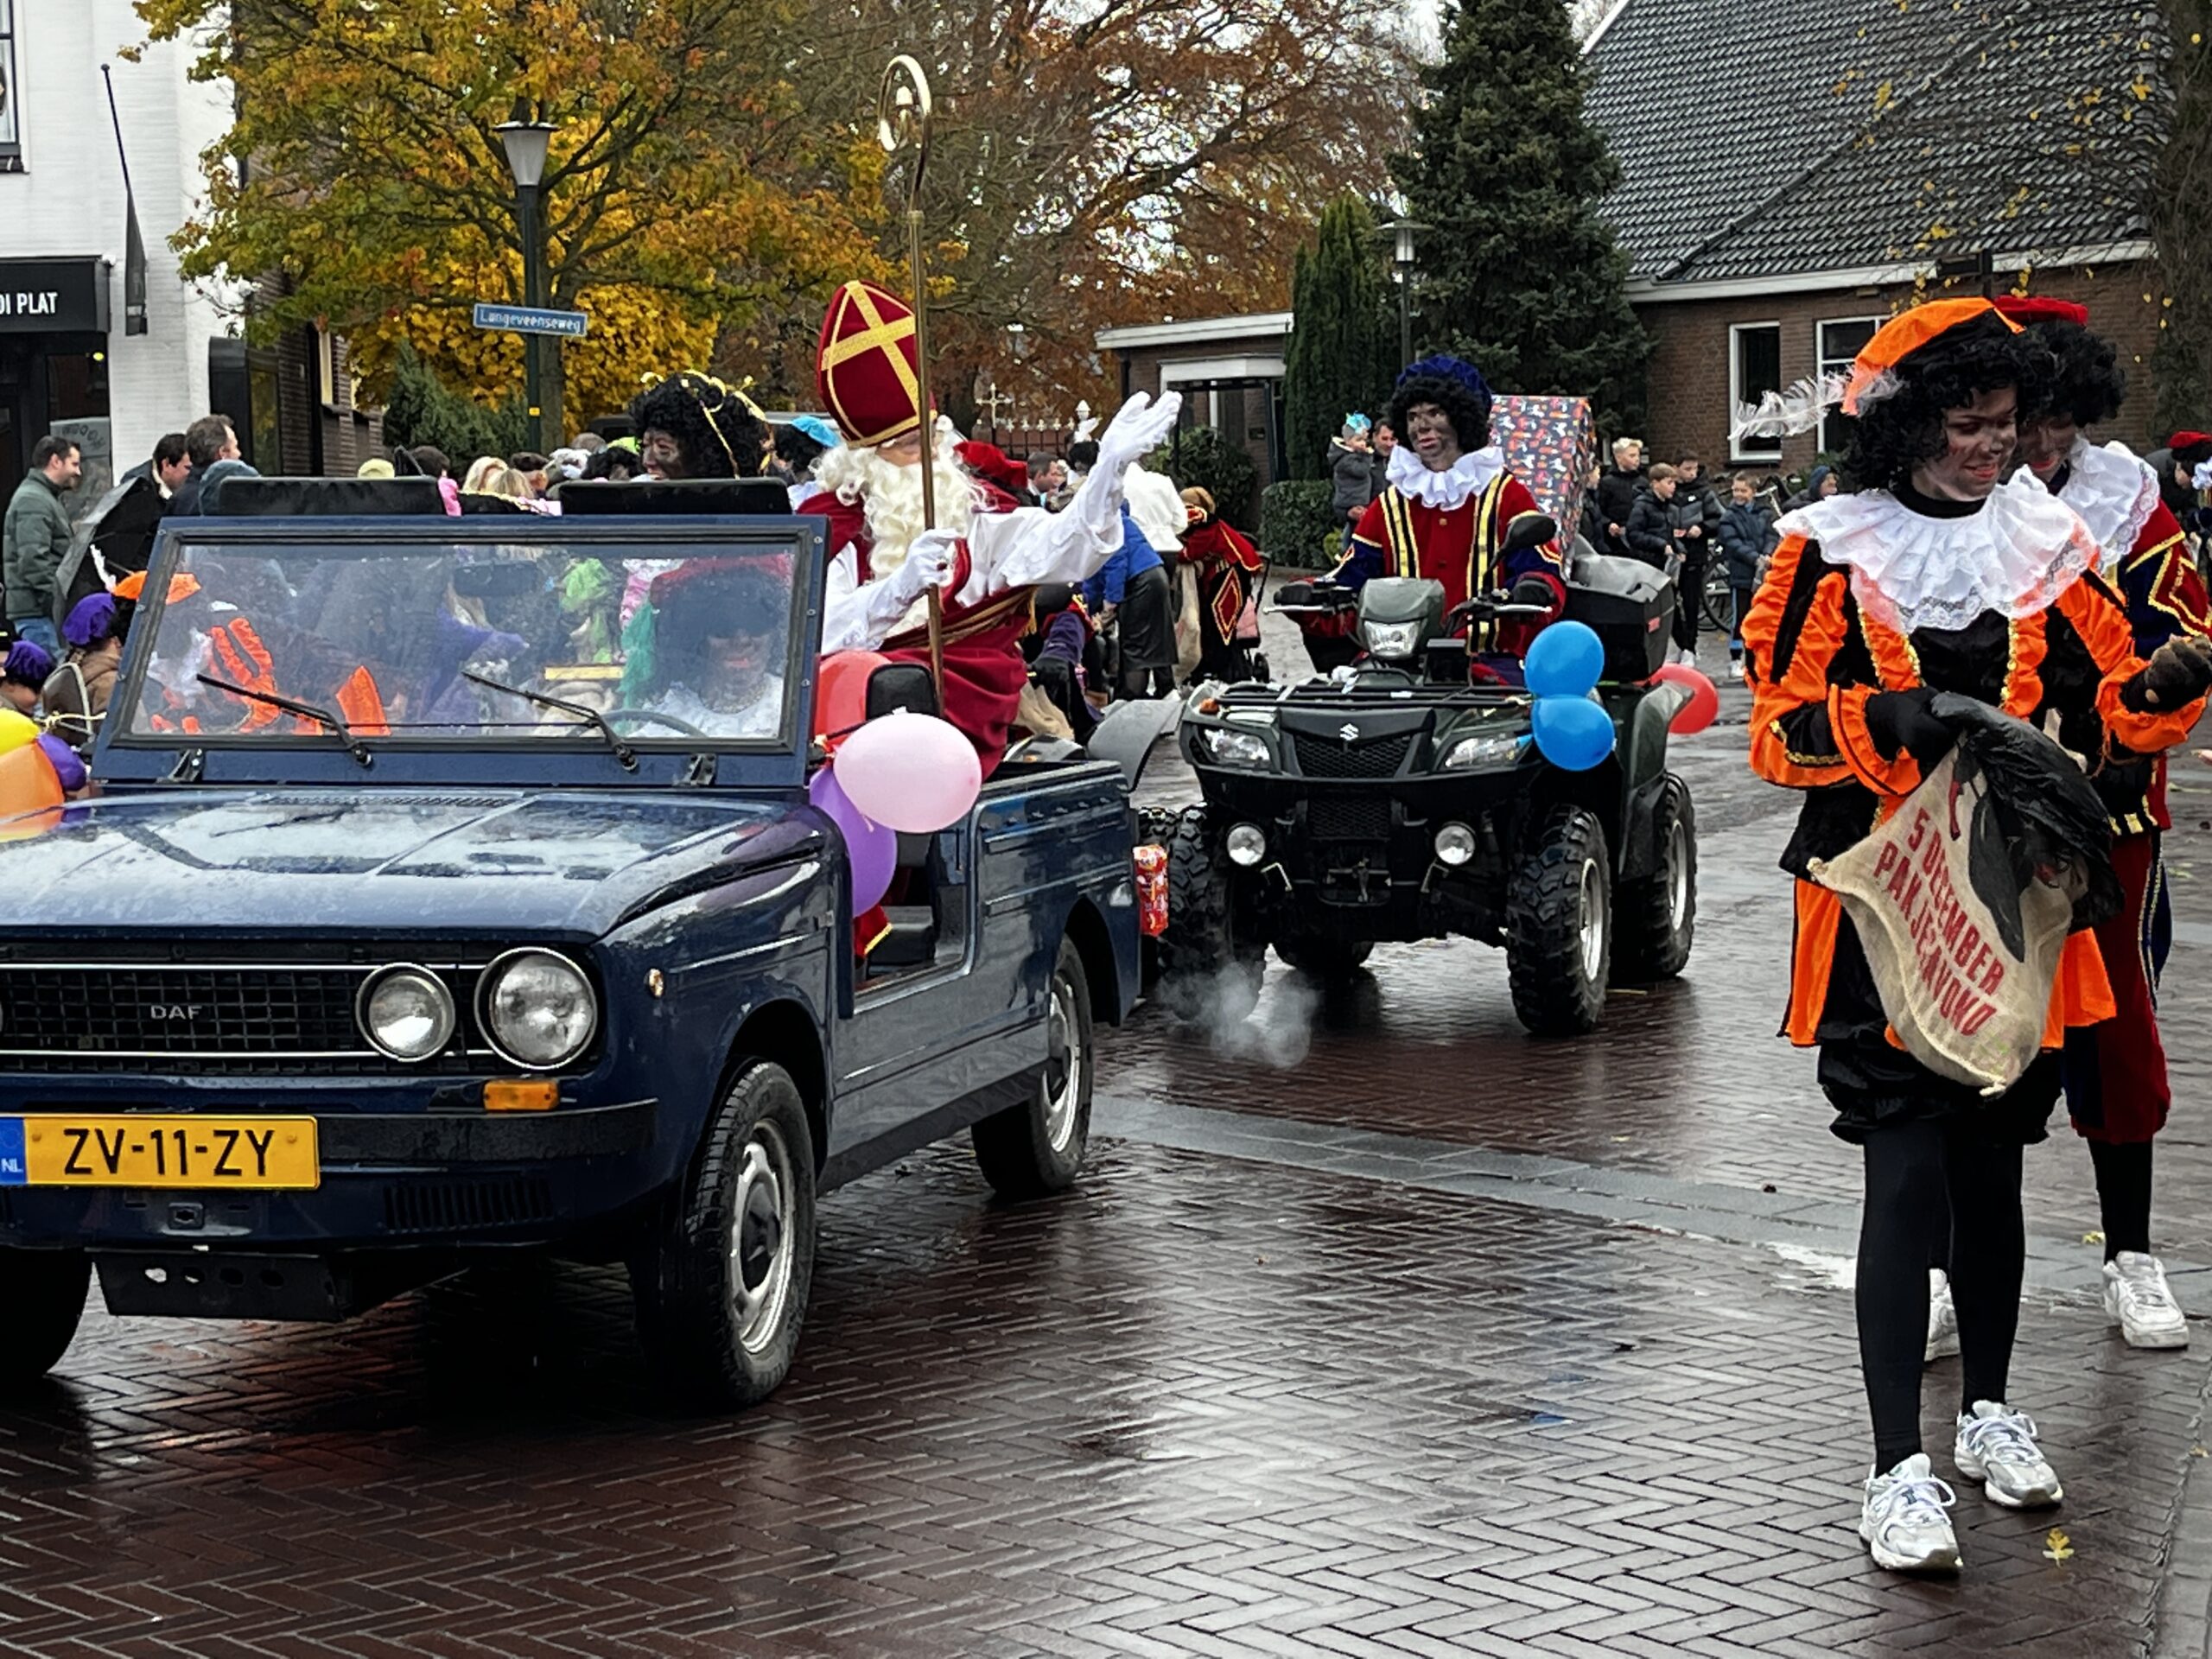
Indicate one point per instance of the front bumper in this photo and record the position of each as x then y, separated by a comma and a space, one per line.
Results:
404, 1181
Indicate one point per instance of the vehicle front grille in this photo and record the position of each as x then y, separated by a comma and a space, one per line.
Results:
462, 1206
1331, 757
210, 1017
1349, 818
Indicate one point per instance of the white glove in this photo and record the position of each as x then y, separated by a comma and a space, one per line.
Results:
929, 565
1138, 428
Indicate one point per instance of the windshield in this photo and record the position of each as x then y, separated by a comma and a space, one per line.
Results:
396, 641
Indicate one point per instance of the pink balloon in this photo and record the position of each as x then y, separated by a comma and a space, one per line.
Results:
914, 773
1705, 702
871, 848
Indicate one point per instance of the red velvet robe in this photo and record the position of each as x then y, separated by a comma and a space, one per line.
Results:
984, 671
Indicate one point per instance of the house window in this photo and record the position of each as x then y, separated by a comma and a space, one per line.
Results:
1754, 370
11, 135
1841, 341
326, 366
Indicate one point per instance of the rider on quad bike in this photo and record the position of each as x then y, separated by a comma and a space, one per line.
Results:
1447, 515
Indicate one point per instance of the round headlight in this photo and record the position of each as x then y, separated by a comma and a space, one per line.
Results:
538, 1009
406, 1013
1455, 844
1247, 844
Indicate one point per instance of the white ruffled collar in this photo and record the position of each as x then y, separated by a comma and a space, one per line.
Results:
2114, 491
2014, 555
1467, 476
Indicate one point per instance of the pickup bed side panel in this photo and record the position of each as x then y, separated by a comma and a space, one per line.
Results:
935, 1050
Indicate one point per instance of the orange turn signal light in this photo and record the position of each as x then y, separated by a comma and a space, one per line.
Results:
521, 1095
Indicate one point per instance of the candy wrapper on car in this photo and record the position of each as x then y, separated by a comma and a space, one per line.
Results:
1551, 443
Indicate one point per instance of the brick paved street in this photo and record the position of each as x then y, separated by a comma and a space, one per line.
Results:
1375, 1330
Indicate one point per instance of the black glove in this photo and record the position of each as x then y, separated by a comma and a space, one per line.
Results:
1533, 590
2179, 672
1899, 723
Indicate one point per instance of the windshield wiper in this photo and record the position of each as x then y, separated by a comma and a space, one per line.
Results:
322, 717
591, 717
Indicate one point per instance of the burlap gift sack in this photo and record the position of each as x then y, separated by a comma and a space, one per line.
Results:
1964, 951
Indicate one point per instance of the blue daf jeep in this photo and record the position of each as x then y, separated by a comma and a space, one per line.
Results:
453, 892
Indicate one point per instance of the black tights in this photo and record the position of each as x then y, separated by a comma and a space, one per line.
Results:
2124, 1194
1917, 1173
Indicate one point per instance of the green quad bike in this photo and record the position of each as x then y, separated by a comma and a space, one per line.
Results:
1403, 797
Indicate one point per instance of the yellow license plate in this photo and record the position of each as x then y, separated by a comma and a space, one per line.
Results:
208, 1153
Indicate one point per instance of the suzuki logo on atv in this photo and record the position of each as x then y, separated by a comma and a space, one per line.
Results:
175, 1010
1348, 731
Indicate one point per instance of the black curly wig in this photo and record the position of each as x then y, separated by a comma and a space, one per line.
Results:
1899, 432
719, 436
1468, 412
798, 451
2078, 376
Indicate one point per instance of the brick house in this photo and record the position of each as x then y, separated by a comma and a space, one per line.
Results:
1793, 173
1229, 371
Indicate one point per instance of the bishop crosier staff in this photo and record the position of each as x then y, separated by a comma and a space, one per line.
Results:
905, 115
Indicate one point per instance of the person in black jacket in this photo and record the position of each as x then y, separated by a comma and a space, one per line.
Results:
1746, 537
1697, 508
1617, 493
1650, 531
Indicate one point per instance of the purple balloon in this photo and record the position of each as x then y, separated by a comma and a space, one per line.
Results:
69, 767
872, 849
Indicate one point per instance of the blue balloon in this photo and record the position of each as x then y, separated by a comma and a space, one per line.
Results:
1564, 660
1572, 733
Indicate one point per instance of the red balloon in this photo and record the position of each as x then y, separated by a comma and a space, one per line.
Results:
1705, 701
841, 690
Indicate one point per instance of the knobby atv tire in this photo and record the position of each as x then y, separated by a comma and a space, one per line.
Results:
1324, 959
686, 1280
1201, 939
1032, 1150
43, 1292
1652, 942
1553, 993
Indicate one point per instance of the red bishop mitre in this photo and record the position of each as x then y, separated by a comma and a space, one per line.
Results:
864, 370
2025, 309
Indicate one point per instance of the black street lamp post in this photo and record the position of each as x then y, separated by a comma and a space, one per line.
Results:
525, 142
1401, 261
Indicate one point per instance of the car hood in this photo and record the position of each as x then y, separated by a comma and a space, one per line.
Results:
419, 861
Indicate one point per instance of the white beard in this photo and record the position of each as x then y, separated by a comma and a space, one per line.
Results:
890, 497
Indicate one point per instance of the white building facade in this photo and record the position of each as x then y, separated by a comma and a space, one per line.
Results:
67, 362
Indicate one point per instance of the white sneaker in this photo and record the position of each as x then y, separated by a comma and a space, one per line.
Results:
1904, 1522
2136, 1295
1735, 668
1943, 1317
1997, 1446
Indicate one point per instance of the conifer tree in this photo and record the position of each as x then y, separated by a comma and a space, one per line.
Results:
1342, 353
1516, 272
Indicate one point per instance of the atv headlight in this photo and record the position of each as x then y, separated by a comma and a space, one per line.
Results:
1230, 748
1477, 754
538, 1009
1394, 639
406, 1013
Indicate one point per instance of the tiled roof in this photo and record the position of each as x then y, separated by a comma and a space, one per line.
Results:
1802, 136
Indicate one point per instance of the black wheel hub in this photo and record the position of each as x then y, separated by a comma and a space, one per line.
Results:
760, 1231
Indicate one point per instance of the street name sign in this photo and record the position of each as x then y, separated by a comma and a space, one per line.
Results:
525, 319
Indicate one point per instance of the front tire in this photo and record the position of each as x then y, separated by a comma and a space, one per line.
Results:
1658, 914
43, 1292
1202, 940
1559, 925
722, 1290
1036, 1148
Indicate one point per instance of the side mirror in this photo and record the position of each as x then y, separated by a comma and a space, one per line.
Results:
1530, 529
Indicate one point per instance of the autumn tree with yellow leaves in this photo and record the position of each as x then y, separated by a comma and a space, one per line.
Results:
685, 192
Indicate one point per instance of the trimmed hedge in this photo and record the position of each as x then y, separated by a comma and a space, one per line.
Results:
1204, 458
1298, 527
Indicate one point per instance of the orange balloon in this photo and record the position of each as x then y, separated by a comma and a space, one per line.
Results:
841, 690
30, 794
